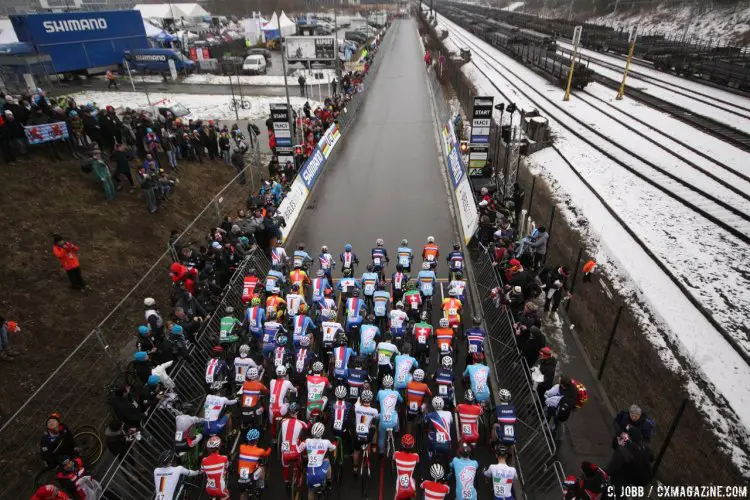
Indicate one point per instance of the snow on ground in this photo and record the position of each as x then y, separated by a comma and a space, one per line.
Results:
693, 248
260, 80
214, 107
514, 6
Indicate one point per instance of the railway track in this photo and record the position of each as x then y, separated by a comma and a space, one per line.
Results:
694, 202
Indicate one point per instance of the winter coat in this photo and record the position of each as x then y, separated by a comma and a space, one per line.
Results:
631, 465
622, 422
540, 244
547, 368
535, 342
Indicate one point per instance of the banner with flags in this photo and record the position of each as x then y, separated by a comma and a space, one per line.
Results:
47, 132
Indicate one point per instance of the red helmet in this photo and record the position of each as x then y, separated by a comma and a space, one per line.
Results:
217, 349
407, 441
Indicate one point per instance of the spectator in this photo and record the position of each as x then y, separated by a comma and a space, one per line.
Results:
115, 438
170, 147
112, 80
122, 158
124, 408
518, 197
554, 282
7, 328
197, 146
592, 484
539, 246
101, 171
238, 160
546, 364
67, 253
147, 182
334, 85
533, 345
57, 441
631, 418
225, 148
631, 462
12, 137
212, 141
560, 400
301, 80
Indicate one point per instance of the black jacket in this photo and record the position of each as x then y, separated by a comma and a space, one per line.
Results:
631, 465
547, 367
126, 412
54, 447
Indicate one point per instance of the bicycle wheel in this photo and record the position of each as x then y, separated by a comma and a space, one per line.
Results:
364, 474
296, 491
88, 440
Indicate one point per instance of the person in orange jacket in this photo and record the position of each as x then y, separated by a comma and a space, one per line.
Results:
67, 253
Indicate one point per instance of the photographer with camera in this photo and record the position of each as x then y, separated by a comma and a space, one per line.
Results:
148, 181
67, 253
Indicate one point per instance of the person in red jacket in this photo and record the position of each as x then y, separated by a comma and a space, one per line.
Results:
178, 273
67, 253
50, 492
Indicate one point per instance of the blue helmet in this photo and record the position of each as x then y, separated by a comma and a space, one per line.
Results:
347, 248
73, 113
149, 131
253, 435
177, 330
141, 356
153, 379
281, 340
143, 330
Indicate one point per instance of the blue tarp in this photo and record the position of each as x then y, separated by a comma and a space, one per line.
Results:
163, 36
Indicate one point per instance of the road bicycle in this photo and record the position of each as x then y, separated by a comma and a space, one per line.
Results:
365, 469
236, 103
299, 475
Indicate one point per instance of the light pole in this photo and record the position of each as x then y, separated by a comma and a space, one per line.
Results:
631, 40
283, 67
576, 41
336, 42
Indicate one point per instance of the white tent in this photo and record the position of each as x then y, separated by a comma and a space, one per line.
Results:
287, 25
271, 28
171, 11
7, 33
192, 9
151, 30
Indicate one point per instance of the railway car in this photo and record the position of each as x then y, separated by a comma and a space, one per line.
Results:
555, 64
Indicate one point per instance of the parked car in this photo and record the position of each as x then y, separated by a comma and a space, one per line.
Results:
357, 36
254, 65
262, 51
231, 65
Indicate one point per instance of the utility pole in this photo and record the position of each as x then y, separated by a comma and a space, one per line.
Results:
570, 10
283, 67
631, 40
576, 41
336, 42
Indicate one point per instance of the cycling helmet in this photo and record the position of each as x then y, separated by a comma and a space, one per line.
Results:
295, 287
347, 272
341, 339
399, 305
430, 239
379, 242
214, 442
387, 381
244, 350
149, 302
293, 408
477, 321
324, 249
418, 375
464, 449
252, 435
275, 290
437, 472
255, 301
469, 396
300, 246
426, 266
366, 396
305, 341
252, 373
399, 268
407, 441
406, 348
355, 292
327, 292
504, 395
438, 403
371, 318
317, 368
165, 459
253, 272
317, 430
404, 242
143, 330
303, 308
501, 450
459, 275
229, 310
281, 340
347, 248
319, 273
411, 286
331, 314
370, 268
281, 371
177, 330
444, 323
452, 292
153, 380
456, 246
141, 356
447, 362
424, 316
340, 392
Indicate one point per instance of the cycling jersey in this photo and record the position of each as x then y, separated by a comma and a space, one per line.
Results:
319, 286
415, 394
459, 286
273, 279
388, 399
354, 308
281, 356
249, 283
291, 445
435, 491
444, 339
326, 306
214, 405
405, 464
274, 303
240, 368
249, 460
363, 416
293, 301
398, 318
502, 476
404, 256
465, 470
341, 356
215, 468
369, 281
468, 416
339, 415
367, 339
478, 376
356, 379
403, 366
251, 391
270, 330
187, 433
326, 261
422, 334
439, 424
426, 282
380, 300
379, 257
346, 285
398, 282
330, 329
505, 414
301, 258
430, 252
451, 308
456, 260
348, 260
299, 277
300, 324
166, 480
216, 372
278, 256
386, 350
254, 318
317, 466
279, 389
444, 381
475, 338
302, 359
412, 300
227, 332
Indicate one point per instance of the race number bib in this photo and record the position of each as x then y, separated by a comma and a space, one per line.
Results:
297, 330
300, 365
344, 287
509, 431
361, 429
440, 437
272, 399
414, 305
248, 401
376, 261
369, 289
481, 386
452, 311
431, 258
388, 416
244, 473
328, 335
178, 436
472, 348
404, 260
239, 377
458, 264
401, 378
465, 429
266, 338
354, 392
413, 405
338, 425
223, 334
285, 446
339, 362
427, 287
352, 314
444, 347
383, 359
210, 483
403, 481
422, 338
443, 390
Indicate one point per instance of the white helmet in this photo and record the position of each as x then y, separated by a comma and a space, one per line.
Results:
447, 362
452, 292
252, 373
149, 302
317, 430
305, 341
340, 392
426, 266
437, 472
281, 371
430, 239
444, 323
324, 249
404, 242
244, 350
379, 242
504, 395
275, 290
438, 403
399, 305
418, 375
387, 382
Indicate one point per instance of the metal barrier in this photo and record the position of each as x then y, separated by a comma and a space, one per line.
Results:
132, 476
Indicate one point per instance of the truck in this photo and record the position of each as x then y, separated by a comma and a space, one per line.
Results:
157, 61
82, 42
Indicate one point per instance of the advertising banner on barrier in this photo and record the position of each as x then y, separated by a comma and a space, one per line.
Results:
481, 116
313, 166
453, 155
38, 134
467, 208
292, 204
477, 159
280, 118
329, 140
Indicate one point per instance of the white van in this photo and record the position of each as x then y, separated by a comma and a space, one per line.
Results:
254, 65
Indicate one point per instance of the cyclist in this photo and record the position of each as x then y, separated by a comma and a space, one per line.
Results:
430, 252
279, 258
452, 307
229, 327
347, 284
215, 467
302, 358
416, 390
301, 324
318, 466
444, 338
249, 284
444, 380
380, 257
406, 461
436, 489
214, 414
271, 330
423, 336
468, 416
475, 340
217, 371
404, 364
405, 255
275, 305
252, 390
478, 376
255, 316
327, 263
188, 433
386, 351
242, 362
426, 280
503, 475
301, 259
282, 355
368, 335
398, 283
397, 321
330, 329
413, 300
57, 441
317, 383
168, 475
339, 417
326, 306
455, 260
291, 440
438, 424
280, 388
274, 279
465, 470
300, 278
364, 428
358, 377
369, 282
341, 355
504, 429
459, 285
380, 300
294, 300
388, 400
355, 307
348, 259
320, 284
250, 460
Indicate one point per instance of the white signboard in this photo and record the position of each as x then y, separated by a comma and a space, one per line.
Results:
291, 206
467, 209
309, 48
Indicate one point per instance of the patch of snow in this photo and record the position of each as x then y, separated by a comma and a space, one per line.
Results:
514, 6
327, 76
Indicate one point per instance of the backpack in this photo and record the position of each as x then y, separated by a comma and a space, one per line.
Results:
582, 395
564, 409
255, 129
